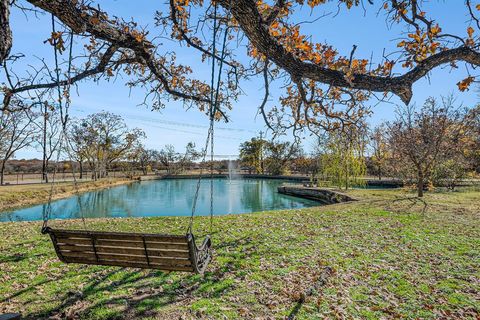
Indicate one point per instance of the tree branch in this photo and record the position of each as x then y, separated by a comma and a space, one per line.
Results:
100, 68
250, 20
5, 31
190, 42
80, 20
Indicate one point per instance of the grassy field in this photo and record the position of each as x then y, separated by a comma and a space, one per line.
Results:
16, 196
385, 257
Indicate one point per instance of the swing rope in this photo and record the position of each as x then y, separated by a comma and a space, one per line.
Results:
213, 106
47, 211
214, 95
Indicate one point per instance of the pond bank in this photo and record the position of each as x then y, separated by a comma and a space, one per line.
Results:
385, 182
325, 196
18, 196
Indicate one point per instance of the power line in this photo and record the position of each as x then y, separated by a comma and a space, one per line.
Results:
190, 125
195, 133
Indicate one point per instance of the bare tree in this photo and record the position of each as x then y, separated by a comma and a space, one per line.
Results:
473, 153
418, 139
168, 157
105, 138
176, 162
16, 133
460, 155
188, 157
144, 157
49, 124
77, 146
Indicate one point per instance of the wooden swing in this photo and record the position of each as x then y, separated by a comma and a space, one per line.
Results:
136, 250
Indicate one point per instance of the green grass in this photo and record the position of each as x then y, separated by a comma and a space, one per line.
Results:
389, 259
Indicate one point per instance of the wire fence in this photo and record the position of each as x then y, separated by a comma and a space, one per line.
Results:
18, 178
37, 177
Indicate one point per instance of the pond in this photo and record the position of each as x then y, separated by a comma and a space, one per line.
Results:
169, 197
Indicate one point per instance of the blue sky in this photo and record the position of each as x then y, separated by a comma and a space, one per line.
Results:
174, 125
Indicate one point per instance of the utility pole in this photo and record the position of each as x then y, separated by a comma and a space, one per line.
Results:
44, 164
261, 152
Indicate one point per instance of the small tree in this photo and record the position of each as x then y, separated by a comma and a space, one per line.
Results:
49, 125
77, 146
473, 132
450, 172
168, 157
304, 164
461, 150
344, 161
252, 154
278, 156
419, 139
143, 157
188, 157
380, 155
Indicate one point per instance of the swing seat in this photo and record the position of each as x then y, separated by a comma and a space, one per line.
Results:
134, 250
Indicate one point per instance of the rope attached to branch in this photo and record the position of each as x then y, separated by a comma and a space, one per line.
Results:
47, 210
214, 97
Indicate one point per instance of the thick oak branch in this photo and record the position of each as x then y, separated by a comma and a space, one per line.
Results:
256, 29
5, 31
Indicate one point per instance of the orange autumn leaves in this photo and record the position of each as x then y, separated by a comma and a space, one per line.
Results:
293, 41
465, 83
56, 40
421, 45
418, 45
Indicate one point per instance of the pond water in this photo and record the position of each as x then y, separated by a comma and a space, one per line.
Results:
172, 197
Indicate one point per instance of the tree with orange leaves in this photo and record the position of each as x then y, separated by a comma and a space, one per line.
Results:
325, 89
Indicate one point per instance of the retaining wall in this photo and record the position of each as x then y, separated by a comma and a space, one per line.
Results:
325, 196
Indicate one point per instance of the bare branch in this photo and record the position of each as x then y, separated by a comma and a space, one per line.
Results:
81, 21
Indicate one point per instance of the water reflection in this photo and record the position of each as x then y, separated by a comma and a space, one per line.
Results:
168, 198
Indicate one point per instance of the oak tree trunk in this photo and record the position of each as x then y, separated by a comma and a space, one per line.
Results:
420, 185
80, 164
2, 173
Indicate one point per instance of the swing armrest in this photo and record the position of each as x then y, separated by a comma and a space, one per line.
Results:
207, 243
46, 230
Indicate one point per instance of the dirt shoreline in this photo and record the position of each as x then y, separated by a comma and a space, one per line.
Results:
14, 197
